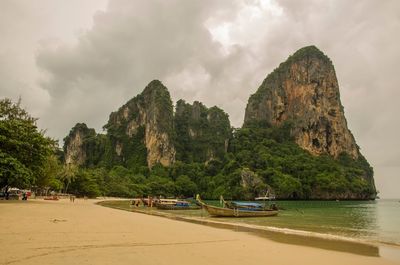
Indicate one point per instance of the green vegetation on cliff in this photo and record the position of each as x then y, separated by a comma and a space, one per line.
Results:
293, 172
259, 158
92, 145
201, 134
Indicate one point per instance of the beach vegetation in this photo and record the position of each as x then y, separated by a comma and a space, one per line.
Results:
260, 158
26, 154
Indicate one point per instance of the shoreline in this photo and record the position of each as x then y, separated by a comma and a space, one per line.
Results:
283, 235
84, 232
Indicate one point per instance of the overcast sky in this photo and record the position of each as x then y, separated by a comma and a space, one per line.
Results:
76, 61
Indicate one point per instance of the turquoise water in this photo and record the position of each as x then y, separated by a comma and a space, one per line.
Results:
369, 220
373, 221
377, 221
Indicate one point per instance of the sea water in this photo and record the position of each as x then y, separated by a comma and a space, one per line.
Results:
377, 221
373, 221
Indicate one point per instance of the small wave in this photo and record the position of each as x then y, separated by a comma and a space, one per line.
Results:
290, 231
296, 232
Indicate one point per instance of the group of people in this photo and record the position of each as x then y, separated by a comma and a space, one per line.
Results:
149, 201
144, 201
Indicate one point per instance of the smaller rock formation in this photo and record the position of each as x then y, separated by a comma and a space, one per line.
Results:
202, 133
146, 119
76, 144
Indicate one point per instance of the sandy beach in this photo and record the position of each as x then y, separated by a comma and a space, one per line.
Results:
61, 232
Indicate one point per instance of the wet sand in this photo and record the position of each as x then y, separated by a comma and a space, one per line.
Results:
61, 232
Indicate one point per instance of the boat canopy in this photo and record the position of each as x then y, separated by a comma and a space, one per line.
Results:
249, 204
265, 198
168, 200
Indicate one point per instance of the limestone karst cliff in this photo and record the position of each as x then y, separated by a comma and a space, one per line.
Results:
145, 132
74, 147
83, 147
147, 119
294, 141
304, 90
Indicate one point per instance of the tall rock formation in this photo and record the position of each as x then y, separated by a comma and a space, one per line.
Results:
145, 132
144, 127
304, 90
202, 133
81, 146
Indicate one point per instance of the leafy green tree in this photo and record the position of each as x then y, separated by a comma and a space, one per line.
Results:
51, 174
285, 185
86, 183
122, 182
185, 186
68, 175
160, 171
24, 148
160, 186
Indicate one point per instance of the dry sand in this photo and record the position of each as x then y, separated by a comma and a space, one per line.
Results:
61, 232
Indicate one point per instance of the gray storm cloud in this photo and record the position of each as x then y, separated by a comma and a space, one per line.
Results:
129, 45
219, 52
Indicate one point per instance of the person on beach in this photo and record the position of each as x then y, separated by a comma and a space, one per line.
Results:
135, 202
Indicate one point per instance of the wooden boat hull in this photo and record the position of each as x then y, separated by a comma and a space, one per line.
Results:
51, 198
227, 212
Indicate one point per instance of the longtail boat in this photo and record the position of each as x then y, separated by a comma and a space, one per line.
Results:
175, 204
236, 211
51, 198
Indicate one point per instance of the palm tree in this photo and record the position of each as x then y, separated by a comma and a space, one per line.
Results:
68, 175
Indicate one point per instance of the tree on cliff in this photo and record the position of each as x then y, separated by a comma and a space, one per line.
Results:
24, 149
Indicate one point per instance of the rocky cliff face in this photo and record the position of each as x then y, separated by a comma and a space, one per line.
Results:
146, 119
304, 90
201, 133
145, 131
300, 104
76, 144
